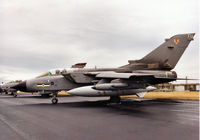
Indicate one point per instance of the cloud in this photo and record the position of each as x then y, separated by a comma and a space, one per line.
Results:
39, 35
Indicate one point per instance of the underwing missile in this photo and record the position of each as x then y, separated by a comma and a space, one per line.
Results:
90, 91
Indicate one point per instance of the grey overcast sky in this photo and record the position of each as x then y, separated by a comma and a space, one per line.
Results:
38, 35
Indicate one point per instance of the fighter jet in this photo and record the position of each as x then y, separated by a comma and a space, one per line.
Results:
134, 78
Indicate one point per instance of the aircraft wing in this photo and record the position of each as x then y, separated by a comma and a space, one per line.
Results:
92, 77
151, 78
114, 84
88, 77
114, 75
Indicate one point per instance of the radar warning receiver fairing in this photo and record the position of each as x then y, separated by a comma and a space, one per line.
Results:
135, 78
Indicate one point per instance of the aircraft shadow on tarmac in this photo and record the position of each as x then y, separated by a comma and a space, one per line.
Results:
102, 103
126, 107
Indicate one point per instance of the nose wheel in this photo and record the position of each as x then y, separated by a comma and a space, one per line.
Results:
54, 100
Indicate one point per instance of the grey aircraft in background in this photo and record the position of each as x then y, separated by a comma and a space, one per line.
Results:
134, 78
8, 87
0, 89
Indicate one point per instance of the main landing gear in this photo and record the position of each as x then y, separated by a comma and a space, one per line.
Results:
14, 94
54, 99
115, 99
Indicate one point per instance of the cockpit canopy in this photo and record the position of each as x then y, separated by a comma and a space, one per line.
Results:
58, 72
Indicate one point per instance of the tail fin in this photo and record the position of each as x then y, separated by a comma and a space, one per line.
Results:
167, 54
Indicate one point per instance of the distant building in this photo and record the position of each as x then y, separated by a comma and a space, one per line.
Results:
178, 87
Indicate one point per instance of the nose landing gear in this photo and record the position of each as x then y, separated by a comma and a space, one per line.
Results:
54, 99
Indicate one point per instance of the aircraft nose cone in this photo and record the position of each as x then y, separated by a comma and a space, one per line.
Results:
21, 86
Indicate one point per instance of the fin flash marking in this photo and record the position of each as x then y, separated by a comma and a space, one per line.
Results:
176, 41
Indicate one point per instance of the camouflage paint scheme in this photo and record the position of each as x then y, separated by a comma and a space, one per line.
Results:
132, 78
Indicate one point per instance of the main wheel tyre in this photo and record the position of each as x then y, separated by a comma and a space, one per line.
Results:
115, 99
15, 95
54, 101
